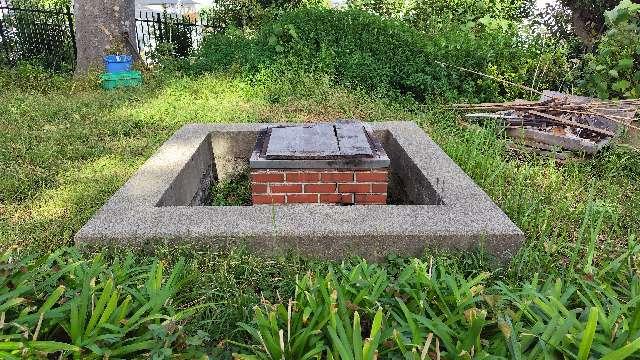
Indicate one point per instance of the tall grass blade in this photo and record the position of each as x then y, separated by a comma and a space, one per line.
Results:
588, 334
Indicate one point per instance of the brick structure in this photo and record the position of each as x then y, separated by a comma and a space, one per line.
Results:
341, 163
320, 186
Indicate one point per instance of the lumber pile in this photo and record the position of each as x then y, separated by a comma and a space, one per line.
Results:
558, 124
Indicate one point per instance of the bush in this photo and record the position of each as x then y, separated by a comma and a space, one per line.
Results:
433, 15
249, 13
613, 70
362, 50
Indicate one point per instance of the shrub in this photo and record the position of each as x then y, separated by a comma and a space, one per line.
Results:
362, 50
433, 15
613, 70
249, 13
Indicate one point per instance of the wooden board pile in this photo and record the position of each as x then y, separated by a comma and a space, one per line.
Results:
558, 124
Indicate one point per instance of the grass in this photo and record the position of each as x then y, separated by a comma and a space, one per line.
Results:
232, 191
66, 146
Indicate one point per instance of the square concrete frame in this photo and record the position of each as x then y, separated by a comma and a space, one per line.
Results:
450, 211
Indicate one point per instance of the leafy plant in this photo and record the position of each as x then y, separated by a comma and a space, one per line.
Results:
294, 332
41, 36
347, 340
22, 322
233, 191
365, 51
613, 71
93, 310
427, 312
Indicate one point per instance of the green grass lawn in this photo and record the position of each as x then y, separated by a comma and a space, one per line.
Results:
69, 146
66, 146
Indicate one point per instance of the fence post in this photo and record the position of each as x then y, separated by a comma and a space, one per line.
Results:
159, 22
72, 32
5, 44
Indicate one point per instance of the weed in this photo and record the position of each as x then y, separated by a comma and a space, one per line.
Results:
232, 191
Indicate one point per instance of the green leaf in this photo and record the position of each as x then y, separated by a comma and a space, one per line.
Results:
99, 308
624, 351
415, 333
51, 346
625, 64
357, 337
11, 303
44, 346
109, 309
587, 336
132, 348
51, 300
75, 326
338, 345
372, 344
621, 85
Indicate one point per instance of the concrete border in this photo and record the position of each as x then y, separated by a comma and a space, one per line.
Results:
450, 210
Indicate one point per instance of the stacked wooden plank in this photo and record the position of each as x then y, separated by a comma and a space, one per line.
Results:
559, 124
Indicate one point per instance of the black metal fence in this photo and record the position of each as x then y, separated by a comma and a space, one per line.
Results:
45, 35
183, 32
42, 35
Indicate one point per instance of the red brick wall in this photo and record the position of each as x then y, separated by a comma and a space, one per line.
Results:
360, 187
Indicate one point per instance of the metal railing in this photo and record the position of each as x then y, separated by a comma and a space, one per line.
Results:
45, 35
184, 32
38, 35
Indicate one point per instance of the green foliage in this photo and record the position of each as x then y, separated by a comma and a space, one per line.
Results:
397, 9
41, 3
362, 50
89, 309
432, 16
232, 191
23, 321
245, 14
176, 37
322, 320
430, 310
613, 71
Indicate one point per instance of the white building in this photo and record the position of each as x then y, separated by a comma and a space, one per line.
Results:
178, 6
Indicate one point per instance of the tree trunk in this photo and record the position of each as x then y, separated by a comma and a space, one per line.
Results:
103, 27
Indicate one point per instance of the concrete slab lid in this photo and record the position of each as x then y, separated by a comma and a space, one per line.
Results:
309, 141
343, 144
352, 139
344, 138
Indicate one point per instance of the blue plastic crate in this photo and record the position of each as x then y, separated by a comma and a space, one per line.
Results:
117, 63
